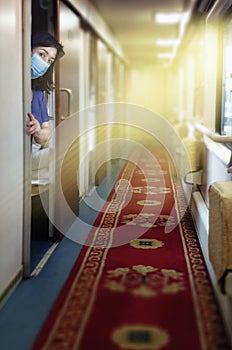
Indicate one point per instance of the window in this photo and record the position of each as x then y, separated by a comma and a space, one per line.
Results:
226, 106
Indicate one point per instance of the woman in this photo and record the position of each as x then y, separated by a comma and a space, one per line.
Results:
45, 50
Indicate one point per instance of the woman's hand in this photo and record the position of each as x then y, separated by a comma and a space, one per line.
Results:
41, 134
33, 125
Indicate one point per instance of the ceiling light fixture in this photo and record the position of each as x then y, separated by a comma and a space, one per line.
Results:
167, 18
165, 55
167, 42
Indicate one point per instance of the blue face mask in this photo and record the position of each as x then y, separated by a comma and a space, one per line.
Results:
38, 66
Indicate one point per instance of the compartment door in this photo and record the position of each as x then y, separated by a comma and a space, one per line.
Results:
67, 108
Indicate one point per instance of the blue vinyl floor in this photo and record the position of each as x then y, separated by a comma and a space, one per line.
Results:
27, 308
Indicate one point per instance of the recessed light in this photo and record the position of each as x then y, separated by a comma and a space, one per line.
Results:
167, 42
165, 55
167, 18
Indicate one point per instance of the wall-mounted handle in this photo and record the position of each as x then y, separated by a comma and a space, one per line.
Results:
70, 102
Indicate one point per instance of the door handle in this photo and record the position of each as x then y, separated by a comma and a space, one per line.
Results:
70, 102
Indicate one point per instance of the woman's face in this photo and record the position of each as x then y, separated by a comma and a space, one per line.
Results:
48, 54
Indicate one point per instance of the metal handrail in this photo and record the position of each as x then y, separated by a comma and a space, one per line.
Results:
212, 135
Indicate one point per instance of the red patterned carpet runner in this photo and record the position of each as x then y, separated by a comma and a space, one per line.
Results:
153, 291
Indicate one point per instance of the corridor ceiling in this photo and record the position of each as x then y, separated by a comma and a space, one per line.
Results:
133, 24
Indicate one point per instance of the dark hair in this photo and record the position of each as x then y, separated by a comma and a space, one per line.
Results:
45, 39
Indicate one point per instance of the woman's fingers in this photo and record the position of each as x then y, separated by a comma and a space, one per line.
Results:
30, 115
33, 125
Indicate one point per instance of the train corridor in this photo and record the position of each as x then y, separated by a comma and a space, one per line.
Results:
138, 282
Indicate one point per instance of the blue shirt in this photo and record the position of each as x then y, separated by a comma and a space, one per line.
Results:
39, 107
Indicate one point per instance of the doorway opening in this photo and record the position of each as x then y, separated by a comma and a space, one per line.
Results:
43, 237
